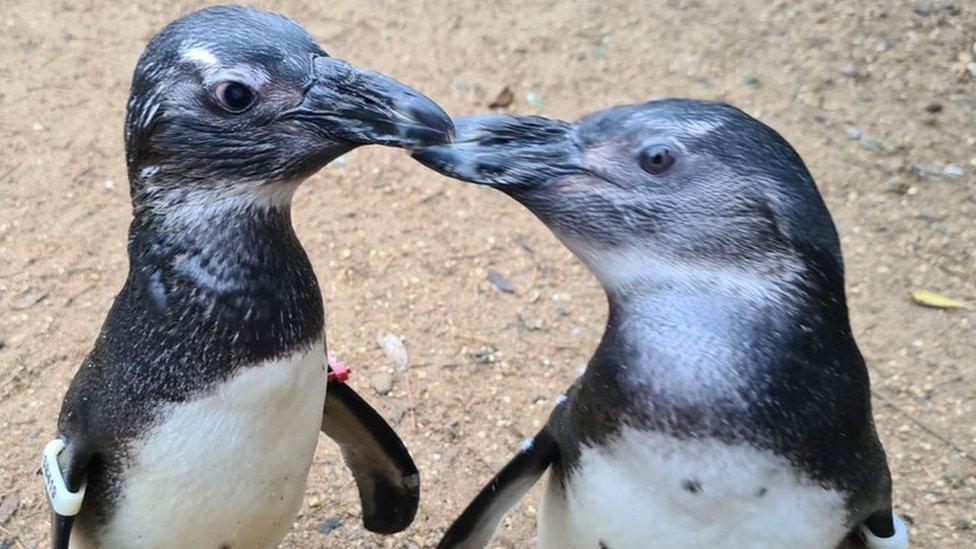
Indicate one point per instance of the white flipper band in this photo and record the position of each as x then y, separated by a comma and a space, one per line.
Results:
898, 540
64, 502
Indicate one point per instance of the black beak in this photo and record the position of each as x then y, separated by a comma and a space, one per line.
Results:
361, 107
507, 152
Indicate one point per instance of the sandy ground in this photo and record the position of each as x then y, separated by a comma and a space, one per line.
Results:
877, 99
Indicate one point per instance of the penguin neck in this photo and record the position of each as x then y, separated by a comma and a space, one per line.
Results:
714, 336
708, 316
222, 240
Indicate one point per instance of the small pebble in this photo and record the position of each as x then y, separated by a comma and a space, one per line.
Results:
852, 133
534, 324
503, 284
953, 171
501, 97
329, 525
533, 100
382, 383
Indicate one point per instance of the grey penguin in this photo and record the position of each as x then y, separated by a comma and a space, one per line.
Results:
727, 404
194, 419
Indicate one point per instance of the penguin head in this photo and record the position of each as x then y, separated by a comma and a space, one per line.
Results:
231, 94
686, 187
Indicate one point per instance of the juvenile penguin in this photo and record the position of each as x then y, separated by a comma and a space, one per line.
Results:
727, 404
194, 419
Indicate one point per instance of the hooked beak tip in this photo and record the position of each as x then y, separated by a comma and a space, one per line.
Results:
427, 124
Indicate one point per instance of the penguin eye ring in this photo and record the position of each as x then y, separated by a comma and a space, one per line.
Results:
657, 158
234, 97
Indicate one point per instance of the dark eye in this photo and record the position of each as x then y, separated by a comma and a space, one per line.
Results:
657, 158
234, 96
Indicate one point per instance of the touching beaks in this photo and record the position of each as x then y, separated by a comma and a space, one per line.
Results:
363, 107
508, 152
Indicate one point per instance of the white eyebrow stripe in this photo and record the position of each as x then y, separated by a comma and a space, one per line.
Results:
201, 56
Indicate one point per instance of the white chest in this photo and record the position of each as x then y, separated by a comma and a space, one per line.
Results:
227, 469
651, 490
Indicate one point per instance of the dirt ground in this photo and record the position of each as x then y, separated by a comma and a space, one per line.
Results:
876, 96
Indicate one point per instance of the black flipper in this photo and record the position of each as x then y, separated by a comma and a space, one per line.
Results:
388, 481
60, 530
479, 520
73, 464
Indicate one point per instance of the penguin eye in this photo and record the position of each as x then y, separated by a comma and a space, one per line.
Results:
657, 159
234, 97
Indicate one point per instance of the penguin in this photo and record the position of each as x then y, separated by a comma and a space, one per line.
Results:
727, 404
194, 419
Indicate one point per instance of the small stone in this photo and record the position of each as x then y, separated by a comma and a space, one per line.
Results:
953, 171
869, 144
453, 431
533, 100
852, 133
923, 9
534, 324
899, 187
501, 98
329, 525
562, 311
500, 282
382, 383
933, 107
850, 71
750, 80
484, 356
964, 525
948, 7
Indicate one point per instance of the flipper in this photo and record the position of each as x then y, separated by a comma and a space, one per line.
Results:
64, 469
387, 479
884, 530
479, 520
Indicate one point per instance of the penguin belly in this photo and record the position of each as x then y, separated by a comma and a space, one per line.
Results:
226, 470
652, 490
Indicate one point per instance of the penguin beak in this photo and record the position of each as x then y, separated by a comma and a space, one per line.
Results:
361, 107
506, 152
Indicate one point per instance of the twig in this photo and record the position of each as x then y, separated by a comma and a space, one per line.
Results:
413, 413
14, 537
8, 172
941, 438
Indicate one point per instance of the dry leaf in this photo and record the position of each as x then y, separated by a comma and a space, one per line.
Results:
28, 299
394, 350
8, 505
931, 299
